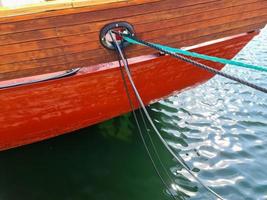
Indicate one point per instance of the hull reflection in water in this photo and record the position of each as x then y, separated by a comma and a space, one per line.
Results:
108, 163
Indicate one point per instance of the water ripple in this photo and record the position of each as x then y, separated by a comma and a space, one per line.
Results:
225, 129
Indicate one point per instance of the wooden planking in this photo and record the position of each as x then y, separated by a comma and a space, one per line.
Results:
101, 15
87, 42
52, 61
76, 39
48, 23
58, 52
202, 36
73, 60
244, 18
147, 20
63, 67
61, 47
70, 58
223, 15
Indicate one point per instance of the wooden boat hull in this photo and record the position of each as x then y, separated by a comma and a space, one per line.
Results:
57, 39
39, 111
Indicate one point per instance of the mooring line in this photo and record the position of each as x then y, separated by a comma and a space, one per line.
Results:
202, 56
144, 122
140, 130
152, 123
194, 63
143, 139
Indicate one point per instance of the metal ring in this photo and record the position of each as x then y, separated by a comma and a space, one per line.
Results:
123, 27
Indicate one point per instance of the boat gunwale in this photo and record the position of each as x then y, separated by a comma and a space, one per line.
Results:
68, 6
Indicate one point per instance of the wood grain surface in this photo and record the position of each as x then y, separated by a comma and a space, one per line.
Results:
51, 41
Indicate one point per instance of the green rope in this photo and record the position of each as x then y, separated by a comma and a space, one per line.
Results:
202, 56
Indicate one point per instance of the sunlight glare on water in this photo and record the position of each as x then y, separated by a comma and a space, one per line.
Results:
224, 124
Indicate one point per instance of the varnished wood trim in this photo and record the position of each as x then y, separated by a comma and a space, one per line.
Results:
55, 5
112, 7
51, 6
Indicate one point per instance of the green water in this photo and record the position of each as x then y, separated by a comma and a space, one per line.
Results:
219, 129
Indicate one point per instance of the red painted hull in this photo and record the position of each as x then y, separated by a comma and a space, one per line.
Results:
39, 111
